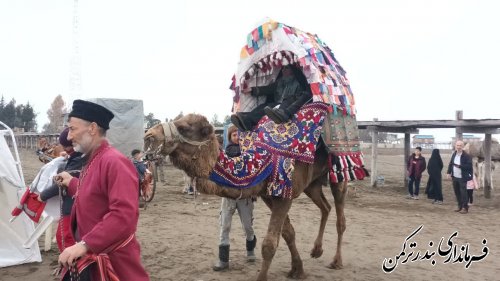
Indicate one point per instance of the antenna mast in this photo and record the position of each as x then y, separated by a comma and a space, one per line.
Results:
75, 76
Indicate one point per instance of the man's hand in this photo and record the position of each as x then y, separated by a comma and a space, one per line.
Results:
63, 179
71, 254
448, 176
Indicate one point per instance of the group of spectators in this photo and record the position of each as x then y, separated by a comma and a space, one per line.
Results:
459, 170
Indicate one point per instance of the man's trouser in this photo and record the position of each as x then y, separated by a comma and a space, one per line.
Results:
245, 211
460, 188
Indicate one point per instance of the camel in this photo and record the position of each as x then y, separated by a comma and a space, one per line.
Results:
476, 151
192, 146
46, 152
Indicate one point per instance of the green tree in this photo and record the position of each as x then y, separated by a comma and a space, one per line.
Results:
150, 120
18, 123
9, 113
17, 116
56, 116
2, 105
28, 118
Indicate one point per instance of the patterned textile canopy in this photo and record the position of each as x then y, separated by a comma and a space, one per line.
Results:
273, 45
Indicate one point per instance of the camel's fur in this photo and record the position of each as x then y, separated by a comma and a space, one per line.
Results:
308, 178
476, 151
47, 151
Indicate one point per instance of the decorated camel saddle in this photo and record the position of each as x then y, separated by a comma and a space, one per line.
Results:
270, 150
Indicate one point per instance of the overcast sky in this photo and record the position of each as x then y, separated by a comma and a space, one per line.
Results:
405, 59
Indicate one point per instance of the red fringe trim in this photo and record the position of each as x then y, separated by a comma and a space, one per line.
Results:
346, 167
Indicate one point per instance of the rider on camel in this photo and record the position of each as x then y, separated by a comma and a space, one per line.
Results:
284, 97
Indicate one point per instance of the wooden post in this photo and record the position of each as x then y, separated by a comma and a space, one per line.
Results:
459, 115
487, 165
406, 154
374, 173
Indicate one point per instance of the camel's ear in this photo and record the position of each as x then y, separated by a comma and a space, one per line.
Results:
207, 130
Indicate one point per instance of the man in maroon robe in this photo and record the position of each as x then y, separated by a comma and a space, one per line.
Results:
105, 214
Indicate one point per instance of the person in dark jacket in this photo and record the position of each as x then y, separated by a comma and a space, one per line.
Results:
434, 186
139, 164
228, 207
233, 148
288, 93
460, 170
74, 164
415, 167
142, 170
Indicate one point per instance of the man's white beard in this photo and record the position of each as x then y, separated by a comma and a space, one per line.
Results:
84, 145
78, 148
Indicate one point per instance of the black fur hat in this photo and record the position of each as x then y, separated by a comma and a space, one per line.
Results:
92, 112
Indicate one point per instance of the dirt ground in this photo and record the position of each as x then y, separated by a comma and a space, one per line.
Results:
179, 233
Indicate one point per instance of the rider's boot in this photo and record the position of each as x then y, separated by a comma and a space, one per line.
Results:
223, 262
250, 249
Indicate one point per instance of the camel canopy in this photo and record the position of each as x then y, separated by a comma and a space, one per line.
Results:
13, 234
272, 45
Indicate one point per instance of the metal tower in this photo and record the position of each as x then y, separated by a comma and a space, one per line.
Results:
75, 75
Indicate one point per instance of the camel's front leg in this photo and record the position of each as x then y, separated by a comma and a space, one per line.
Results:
279, 212
339, 192
288, 233
315, 192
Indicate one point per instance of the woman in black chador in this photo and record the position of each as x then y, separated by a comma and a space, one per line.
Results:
434, 186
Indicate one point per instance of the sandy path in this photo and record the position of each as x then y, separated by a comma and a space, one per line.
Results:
179, 235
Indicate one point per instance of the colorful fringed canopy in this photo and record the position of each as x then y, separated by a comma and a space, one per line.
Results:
272, 45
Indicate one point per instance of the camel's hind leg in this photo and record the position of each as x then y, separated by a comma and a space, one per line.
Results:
339, 192
315, 192
279, 223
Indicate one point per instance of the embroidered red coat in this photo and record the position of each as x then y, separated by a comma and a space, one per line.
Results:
106, 210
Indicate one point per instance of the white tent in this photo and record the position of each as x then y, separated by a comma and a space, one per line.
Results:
13, 235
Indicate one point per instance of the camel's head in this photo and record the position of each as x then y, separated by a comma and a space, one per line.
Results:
190, 141
155, 141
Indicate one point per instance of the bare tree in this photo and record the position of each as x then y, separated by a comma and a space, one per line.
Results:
215, 121
227, 119
56, 116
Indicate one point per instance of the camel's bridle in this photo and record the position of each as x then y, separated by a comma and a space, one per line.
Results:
172, 135
173, 138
